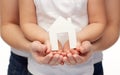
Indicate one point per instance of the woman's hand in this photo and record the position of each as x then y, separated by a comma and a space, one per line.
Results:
85, 51
78, 55
48, 57
70, 56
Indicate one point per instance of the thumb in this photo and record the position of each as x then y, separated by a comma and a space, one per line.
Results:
85, 47
36, 45
47, 46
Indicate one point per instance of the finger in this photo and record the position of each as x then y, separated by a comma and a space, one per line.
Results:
59, 52
77, 58
64, 54
38, 58
66, 61
47, 43
74, 51
48, 58
59, 61
82, 49
71, 58
87, 47
37, 46
84, 57
54, 59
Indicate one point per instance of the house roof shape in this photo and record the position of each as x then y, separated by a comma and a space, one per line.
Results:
62, 25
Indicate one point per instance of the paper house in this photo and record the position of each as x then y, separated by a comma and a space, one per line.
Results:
62, 25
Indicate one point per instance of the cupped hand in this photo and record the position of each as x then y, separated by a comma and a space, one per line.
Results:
78, 55
47, 57
69, 57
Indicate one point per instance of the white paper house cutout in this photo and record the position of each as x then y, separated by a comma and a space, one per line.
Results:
62, 25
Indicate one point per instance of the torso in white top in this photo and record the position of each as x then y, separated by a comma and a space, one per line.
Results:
47, 12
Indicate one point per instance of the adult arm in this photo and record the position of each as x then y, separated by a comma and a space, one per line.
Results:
12, 34
10, 30
0, 18
111, 33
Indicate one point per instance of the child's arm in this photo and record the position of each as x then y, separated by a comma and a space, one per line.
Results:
92, 32
28, 22
97, 21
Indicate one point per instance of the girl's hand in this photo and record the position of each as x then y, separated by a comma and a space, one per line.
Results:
84, 47
38, 48
57, 56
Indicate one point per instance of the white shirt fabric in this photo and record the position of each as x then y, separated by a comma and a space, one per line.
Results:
47, 17
20, 52
47, 12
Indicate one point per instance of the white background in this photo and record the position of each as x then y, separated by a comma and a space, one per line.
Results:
111, 61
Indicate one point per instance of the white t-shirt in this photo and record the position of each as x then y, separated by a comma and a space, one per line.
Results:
47, 12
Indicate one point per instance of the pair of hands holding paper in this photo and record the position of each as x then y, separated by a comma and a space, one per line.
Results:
43, 54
